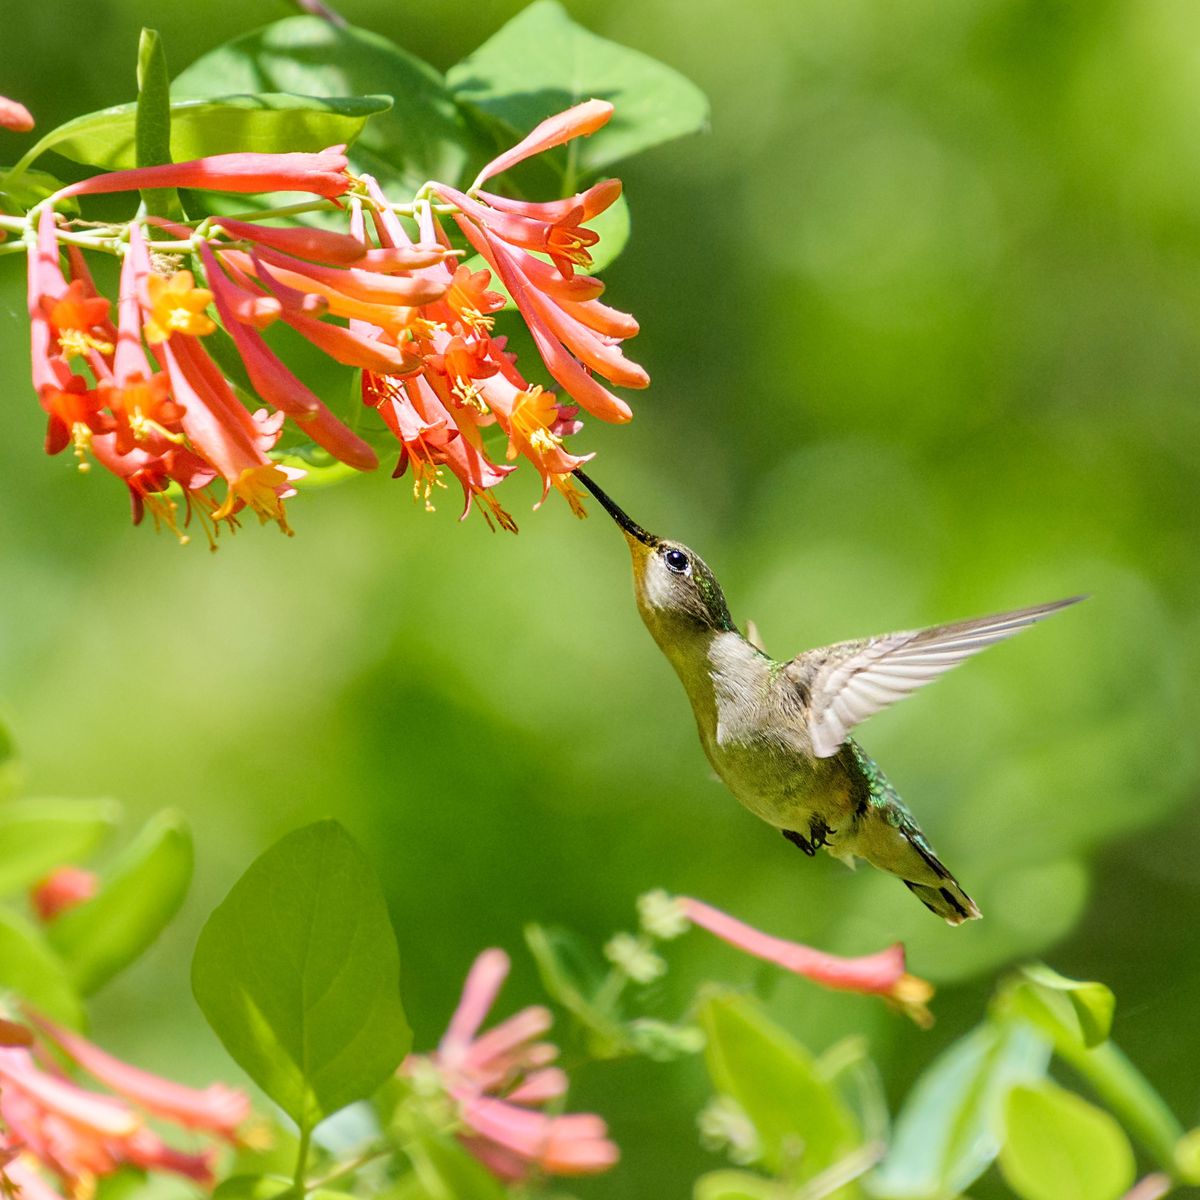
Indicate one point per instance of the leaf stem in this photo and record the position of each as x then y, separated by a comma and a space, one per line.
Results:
302, 1157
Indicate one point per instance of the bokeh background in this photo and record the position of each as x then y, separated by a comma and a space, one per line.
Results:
922, 313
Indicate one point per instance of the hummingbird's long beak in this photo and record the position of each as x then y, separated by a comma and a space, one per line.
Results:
630, 526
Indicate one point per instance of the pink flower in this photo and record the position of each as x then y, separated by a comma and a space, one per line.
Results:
53, 1126
63, 888
881, 974
14, 116
215, 1109
498, 1080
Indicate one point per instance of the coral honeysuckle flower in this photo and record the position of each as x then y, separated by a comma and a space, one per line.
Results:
497, 1081
14, 116
322, 174
215, 1109
881, 974
62, 889
54, 1127
278, 386
146, 400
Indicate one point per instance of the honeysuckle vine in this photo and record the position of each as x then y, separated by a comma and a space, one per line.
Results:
390, 297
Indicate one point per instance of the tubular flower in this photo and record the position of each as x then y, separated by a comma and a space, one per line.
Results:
146, 400
322, 174
881, 974
62, 889
14, 116
497, 1080
54, 1127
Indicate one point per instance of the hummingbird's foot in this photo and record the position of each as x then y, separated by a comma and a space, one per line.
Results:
819, 833
799, 840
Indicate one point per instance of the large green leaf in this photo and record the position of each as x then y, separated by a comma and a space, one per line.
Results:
38, 835
298, 973
260, 122
950, 1127
422, 137
803, 1123
138, 896
32, 971
1057, 1146
542, 62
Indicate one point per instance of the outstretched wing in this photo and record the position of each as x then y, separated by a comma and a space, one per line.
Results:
846, 683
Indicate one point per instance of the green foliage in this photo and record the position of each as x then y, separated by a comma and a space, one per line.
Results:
30, 969
446, 1171
214, 125
734, 1185
38, 835
138, 896
951, 1126
542, 62
1093, 1003
152, 123
1059, 1147
803, 1124
420, 137
298, 973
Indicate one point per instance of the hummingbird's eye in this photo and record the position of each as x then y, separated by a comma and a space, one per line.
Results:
676, 561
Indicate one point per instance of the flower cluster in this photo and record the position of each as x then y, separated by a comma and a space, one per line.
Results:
146, 398
54, 1130
498, 1081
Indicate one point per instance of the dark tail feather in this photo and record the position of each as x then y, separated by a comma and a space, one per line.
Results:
946, 898
949, 901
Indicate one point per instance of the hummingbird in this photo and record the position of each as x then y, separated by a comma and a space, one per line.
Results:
778, 733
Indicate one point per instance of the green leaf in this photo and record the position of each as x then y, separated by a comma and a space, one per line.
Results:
1093, 1003
38, 835
541, 62
152, 124
138, 896
950, 1127
734, 1185
10, 764
21, 190
1187, 1156
298, 973
422, 137
30, 969
803, 1123
221, 125
1059, 1147
447, 1172
255, 1187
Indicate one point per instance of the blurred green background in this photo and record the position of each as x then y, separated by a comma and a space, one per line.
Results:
923, 318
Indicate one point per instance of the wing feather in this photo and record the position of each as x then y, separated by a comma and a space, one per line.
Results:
851, 681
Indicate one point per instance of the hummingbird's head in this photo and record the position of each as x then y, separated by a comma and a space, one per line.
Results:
676, 591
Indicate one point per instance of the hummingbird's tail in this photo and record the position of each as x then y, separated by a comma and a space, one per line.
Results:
945, 895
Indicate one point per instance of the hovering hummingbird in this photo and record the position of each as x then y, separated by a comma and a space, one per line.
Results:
777, 733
